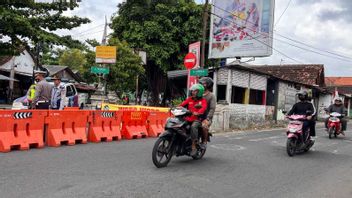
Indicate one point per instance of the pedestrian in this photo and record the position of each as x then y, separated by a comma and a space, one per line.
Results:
58, 94
42, 92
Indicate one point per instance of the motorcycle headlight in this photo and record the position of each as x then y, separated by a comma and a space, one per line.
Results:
293, 130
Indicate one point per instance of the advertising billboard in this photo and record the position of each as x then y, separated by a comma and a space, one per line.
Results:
241, 28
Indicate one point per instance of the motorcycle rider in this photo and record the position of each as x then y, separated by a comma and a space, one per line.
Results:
207, 82
338, 108
197, 105
304, 107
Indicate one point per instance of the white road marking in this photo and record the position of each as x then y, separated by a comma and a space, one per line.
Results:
266, 138
228, 147
236, 138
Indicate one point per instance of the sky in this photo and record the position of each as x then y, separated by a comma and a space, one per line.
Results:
324, 24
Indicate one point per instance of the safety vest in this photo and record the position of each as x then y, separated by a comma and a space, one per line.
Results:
31, 92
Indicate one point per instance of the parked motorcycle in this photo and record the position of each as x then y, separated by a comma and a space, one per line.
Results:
176, 139
334, 124
296, 140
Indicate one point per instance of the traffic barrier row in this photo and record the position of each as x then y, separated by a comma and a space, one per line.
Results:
24, 129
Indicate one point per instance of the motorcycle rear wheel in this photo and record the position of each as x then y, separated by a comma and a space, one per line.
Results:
291, 146
162, 150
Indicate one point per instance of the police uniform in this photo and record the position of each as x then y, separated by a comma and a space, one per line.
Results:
58, 94
42, 94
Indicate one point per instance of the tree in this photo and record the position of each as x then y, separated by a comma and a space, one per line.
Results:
24, 21
163, 28
74, 58
128, 65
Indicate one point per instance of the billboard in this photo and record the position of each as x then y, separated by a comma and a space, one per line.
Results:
241, 28
195, 49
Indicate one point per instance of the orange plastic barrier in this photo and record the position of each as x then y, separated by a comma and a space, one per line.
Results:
21, 129
67, 126
156, 123
105, 126
134, 124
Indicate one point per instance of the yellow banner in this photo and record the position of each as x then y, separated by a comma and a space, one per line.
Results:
108, 52
106, 106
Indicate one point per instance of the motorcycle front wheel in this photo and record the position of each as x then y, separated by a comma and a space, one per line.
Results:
162, 152
291, 146
200, 154
331, 132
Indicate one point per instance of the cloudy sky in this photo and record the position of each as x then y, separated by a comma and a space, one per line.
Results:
323, 24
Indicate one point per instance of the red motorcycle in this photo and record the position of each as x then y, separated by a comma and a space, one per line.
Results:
334, 124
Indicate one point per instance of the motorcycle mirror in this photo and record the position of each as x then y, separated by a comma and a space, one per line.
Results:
284, 111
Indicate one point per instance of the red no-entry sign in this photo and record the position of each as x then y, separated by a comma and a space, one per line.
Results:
190, 60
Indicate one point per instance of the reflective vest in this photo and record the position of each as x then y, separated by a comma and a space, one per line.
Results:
31, 92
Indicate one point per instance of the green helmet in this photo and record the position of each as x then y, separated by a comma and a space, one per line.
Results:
198, 87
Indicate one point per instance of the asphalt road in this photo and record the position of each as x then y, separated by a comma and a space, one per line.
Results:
251, 164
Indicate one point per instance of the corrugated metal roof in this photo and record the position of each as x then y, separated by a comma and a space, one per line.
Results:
177, 73
54, 69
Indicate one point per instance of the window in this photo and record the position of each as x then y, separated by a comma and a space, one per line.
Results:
221, 92
238, 95
69, 91
73, 90
256, 97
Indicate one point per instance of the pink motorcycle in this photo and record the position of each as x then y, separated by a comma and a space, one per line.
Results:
296, 140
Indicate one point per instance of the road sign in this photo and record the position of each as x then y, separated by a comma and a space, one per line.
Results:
190, 60
99, 70
105, 54
199, 72
195, 49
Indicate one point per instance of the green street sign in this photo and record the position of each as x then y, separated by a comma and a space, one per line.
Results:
99, 70
199, 72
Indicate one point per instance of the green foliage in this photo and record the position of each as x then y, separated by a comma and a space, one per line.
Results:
93, 42
163, 28
74, 58
123, 74
24, 21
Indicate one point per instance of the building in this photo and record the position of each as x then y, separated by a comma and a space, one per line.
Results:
67, 74
343, 85
22, 67
250, 96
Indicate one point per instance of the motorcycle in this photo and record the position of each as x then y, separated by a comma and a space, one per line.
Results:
176, 139
296, 140
334, 124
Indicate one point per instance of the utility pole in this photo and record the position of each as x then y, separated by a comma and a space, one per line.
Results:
204, 33
11, 82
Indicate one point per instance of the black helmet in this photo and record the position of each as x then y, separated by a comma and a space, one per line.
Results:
207, 82
302, 95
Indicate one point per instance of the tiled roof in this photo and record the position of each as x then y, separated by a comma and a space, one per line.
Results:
305, 74
340, 89
338, 81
